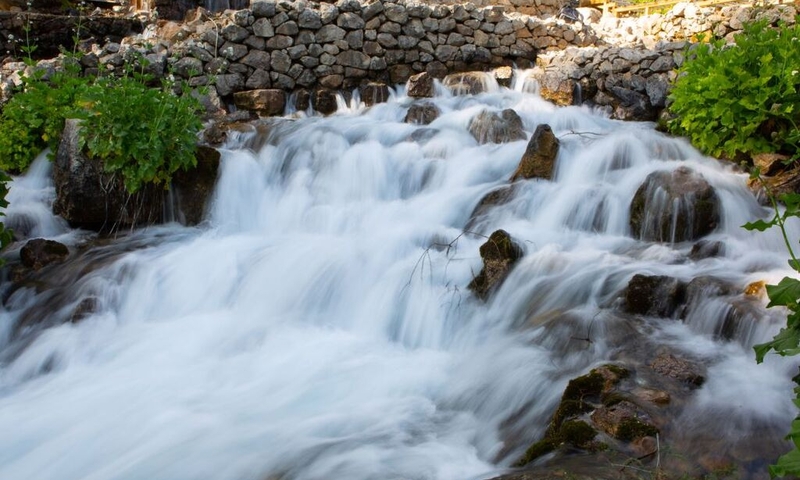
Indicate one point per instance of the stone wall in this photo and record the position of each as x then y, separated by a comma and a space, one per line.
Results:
303, 45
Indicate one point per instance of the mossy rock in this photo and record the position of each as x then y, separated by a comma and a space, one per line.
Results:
574, 433
499, 254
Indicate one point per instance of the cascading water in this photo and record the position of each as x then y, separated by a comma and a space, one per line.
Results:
319, 326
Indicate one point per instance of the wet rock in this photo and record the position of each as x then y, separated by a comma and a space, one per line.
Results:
193, 188
468, 83
539, 158
420, 85
650, 395
265, 102
373, 93
422, 113
582, 394
324, 101
679, 369
39, 253
86, 308
489, 127
499, 254
492, 199
674, 206
624, 421
654, 295
707, 249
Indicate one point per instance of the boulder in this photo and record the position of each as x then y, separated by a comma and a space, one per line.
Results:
674, 206
265, 102
500, 253
422, 113
39, 253
539, 158
373, 93
499, 196
89, 197
489, 127
654, 295
420, 85
566, 428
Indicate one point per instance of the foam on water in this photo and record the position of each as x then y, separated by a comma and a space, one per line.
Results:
320, 326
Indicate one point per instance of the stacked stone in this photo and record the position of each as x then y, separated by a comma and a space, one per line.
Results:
631, 83
687, 21
288, 46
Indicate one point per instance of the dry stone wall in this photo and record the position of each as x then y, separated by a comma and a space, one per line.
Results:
304, 45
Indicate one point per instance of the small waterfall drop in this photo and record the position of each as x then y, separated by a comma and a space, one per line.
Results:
319, 324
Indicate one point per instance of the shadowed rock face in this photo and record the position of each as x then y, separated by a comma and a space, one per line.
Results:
539, 158
674, 206
89, 197
657, 296
499, 254
38, 253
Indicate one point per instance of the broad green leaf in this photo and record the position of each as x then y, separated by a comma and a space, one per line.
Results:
786, 292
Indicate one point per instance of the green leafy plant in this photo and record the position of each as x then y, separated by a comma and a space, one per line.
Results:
34, 118
741, 98
145, 133
787, 342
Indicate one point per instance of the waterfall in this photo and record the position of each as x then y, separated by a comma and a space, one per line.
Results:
318, 325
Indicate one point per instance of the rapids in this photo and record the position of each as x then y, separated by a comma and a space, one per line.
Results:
317, 324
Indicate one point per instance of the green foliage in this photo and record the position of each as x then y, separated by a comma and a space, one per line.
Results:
787, 342
5, 234
741, 98
34, 118
144, 133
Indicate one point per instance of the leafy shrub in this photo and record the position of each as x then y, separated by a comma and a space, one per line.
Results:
787, 342
144, 133
34, 118
741, 98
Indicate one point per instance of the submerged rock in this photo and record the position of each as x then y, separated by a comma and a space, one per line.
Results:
674, 206
582, 394
489, 127
373, 93
679, 369
499, 254
624, 421
38, 253
539, 158
654, 295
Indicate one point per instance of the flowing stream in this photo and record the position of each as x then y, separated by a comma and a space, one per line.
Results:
318, 324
